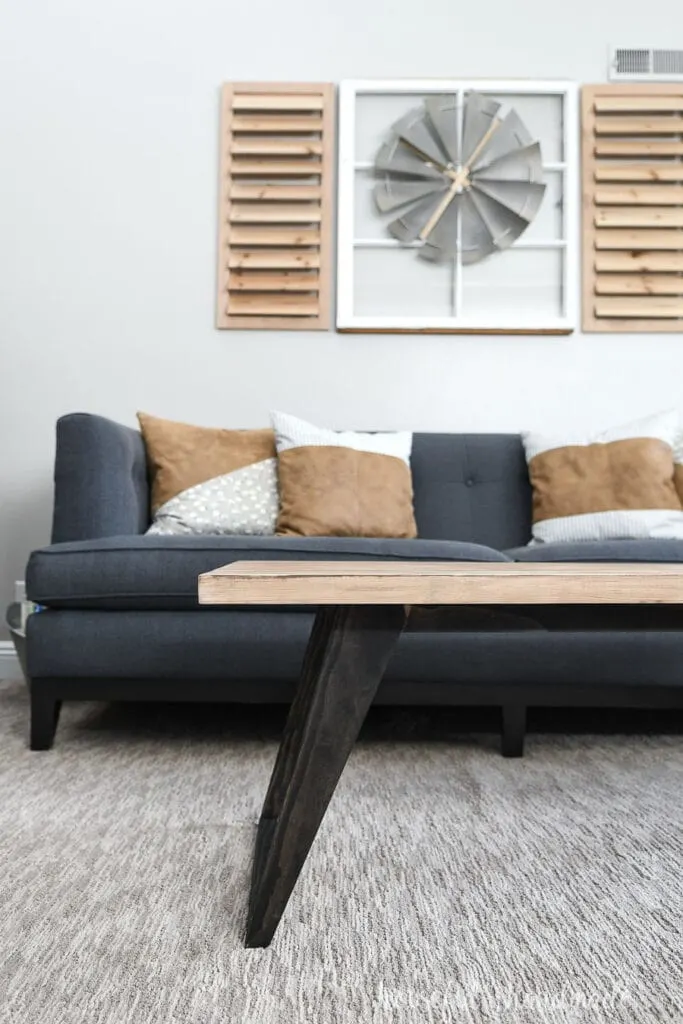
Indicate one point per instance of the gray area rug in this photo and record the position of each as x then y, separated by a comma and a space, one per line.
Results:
447, 884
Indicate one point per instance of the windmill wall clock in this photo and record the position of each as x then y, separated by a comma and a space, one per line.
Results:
457, 207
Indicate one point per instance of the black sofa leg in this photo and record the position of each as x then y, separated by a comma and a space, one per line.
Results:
513, 730
45, 710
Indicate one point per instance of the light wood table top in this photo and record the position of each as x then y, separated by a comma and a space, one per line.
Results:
441, 583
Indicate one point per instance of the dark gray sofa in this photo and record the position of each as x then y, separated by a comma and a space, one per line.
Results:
123, 623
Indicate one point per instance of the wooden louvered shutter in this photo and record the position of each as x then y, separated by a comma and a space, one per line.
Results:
632, 207
275, 207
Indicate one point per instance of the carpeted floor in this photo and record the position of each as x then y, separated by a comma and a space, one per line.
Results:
447, 884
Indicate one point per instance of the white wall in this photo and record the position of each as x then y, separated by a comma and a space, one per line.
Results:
108, 139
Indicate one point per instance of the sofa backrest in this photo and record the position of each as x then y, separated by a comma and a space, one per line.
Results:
472, 487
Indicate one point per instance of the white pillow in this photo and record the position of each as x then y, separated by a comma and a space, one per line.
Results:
291, 432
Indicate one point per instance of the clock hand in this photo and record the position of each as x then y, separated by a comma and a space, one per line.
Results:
495, 124
425, 156
460, 181
441, 208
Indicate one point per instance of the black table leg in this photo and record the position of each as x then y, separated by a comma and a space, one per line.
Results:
347, 654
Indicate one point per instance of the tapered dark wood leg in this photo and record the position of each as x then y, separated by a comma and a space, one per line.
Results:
347, 654
514, 730
45, 710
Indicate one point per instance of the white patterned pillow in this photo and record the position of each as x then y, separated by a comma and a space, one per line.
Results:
243, 502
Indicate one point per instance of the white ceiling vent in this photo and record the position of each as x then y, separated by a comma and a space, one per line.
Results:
638, 64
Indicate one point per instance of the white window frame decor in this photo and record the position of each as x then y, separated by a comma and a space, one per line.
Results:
350, 94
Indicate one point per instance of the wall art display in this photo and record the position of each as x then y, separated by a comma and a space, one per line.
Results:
632, 168
457, 206
276, 204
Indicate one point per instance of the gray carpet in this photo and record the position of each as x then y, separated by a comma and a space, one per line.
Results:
447, 883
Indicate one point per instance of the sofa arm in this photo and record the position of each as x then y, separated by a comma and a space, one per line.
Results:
101, 487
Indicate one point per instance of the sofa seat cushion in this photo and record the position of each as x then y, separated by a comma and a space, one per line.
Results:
142, 572
602, 551
244, 652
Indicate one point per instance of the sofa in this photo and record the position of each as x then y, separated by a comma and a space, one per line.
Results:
121, 619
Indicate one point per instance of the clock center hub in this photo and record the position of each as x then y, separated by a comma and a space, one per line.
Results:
460, 178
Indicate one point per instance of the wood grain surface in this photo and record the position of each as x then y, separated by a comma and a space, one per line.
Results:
410, 583
631, 138
275, 197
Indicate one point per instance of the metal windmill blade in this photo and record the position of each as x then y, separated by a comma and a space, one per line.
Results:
476, 239
442, 112
503, 225
509, 136
521, 198
414, 130
394, 192
479, 116
395, 158
410, 223
441, 243
525, 164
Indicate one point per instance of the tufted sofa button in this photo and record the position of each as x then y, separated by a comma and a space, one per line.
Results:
469, 482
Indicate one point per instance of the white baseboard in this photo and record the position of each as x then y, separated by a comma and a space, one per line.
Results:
9, 663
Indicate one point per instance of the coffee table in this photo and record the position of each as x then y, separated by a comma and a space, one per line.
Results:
363, 609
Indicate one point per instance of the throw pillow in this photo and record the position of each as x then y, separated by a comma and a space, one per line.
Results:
210, 481
615, 485
343, 483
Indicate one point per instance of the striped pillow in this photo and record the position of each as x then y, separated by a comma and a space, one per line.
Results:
615, 485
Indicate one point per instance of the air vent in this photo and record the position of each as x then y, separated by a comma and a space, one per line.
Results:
668, 62
632, 207
645, 65
277, 143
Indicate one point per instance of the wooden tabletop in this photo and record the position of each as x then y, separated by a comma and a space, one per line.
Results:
313, 583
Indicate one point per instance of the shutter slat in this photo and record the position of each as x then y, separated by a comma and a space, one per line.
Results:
639, 149
645, 195
664, 171
284, 280
274, 124
276, 168
274, 193
268, 99
273, 259
638, 284
639, 262
248, 235
631, 104
276, 147
642, 308
273, 304
619, 125
639, 216
276, 206
638, 239
274, 213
